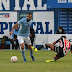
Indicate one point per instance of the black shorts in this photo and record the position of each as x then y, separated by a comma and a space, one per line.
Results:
59, 51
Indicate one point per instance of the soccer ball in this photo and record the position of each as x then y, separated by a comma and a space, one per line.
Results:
14, 59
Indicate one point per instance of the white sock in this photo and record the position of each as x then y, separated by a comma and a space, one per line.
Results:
44, 45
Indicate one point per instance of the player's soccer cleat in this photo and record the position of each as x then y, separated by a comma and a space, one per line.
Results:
24, 59
50, 60
33, 58
32, 47
35, 49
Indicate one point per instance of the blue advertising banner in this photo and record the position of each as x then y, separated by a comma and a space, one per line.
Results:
59, 3
20, 5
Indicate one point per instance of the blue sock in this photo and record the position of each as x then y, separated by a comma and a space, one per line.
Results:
31, 52
32, 55
23, 54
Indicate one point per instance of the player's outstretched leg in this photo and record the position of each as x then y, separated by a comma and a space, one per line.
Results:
46, 46
31, 52
43, 46
51, 46
58, 56
23, 51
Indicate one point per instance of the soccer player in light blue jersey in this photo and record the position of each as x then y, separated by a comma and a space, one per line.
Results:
23, 35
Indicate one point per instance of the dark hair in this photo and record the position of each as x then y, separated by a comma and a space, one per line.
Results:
30, 13
60, 27
63, 36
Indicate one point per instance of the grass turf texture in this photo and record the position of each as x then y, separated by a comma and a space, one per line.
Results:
62, 65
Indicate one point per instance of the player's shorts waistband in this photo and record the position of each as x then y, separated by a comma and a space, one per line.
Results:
23, 36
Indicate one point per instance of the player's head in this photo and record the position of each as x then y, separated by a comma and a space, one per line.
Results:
29, 16
16, 28
63, 37
60, 28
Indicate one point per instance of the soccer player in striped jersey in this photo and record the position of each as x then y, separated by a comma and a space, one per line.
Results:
62, 49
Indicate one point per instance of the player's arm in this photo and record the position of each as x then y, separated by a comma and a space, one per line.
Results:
71, 49
13, 28
56, 41
19, 22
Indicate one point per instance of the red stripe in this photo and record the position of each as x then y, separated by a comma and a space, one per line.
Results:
53, 48
65, 44
69, 45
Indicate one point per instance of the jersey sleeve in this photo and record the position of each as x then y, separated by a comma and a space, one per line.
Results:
58, 40
20, 21
31, 22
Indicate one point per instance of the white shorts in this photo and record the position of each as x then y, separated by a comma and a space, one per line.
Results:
25, 40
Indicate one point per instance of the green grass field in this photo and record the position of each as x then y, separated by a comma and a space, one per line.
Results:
62, 65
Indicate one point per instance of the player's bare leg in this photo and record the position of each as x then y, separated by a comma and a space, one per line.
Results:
46, 46
57, 56
31, 51
23, 51
22, 46
53, 59
51, 46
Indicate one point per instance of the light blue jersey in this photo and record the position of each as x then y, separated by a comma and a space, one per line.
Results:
24, 27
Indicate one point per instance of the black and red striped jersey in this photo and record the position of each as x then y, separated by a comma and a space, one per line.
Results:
63, 43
